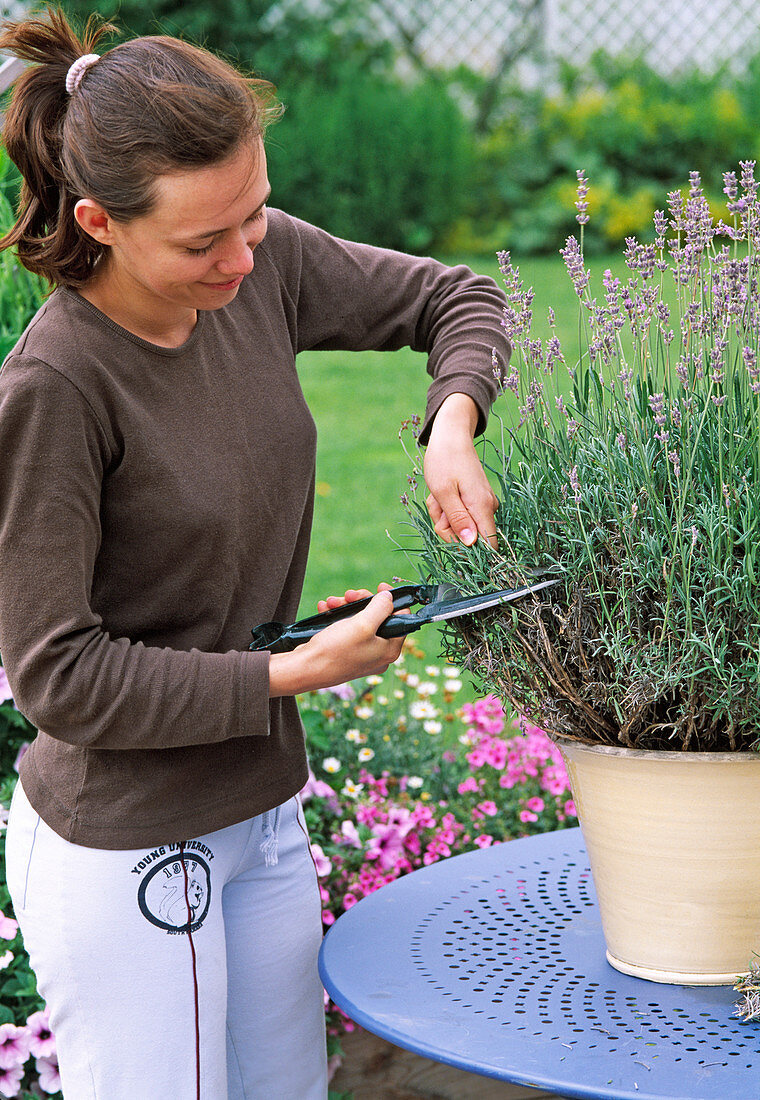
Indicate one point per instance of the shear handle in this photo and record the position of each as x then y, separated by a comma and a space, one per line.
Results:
403, 596
398, 626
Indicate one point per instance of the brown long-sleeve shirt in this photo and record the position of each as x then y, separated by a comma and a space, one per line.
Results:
156, 503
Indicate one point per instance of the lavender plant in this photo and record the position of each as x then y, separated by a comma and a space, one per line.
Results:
633, 476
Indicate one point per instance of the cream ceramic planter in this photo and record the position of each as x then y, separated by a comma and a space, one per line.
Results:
673, 841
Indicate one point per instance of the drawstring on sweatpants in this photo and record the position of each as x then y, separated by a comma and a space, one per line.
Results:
270, 831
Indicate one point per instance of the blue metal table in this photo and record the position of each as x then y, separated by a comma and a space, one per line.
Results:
494, 962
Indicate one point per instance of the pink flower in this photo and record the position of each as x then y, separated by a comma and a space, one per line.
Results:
487, 714
41, 1038
349, 900
423, 816
484, 840
535, 804
321, 862
496, 754
350, 835
340, 691
388, 838
469, 784
476, 758
316, 788
334, 1062
14, 1046
10, 1080
526, 815
489, 808
8, 927
570, 809
50, 1078
5, 688
554, 780
328, 918
22, 751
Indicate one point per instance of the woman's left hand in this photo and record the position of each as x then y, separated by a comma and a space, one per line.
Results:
461, 502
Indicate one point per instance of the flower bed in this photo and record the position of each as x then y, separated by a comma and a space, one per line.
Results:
402, 776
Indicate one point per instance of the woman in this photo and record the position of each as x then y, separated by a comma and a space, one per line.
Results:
156, 495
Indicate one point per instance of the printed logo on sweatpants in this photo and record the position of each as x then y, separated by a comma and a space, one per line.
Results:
175, 889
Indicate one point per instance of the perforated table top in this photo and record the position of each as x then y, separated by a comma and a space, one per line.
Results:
494, 962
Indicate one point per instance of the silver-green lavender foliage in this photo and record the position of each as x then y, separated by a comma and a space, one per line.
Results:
636, 480
748, 1005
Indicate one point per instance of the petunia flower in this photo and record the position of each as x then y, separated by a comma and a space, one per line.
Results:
8, 927
50, 1078
14, 1046
6, 694
321, 862
350, 834
10, 1080
41, 1038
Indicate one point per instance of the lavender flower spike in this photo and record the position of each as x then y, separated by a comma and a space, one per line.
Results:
582, 204
573, 258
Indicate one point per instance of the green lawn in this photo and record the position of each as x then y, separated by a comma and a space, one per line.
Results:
359, 402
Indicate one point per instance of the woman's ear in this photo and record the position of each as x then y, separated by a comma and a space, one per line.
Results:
93, 219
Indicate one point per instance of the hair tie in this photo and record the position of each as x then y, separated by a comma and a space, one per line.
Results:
78, 69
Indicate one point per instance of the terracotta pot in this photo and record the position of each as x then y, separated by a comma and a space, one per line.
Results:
673, 841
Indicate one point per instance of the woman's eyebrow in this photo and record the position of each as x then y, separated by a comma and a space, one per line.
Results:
216, 232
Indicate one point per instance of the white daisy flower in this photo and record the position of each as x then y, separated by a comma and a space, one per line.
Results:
366, 754
351, 789
427, 687
433, 670
354, 735
331, 764
431, 726
364, 712
423, 709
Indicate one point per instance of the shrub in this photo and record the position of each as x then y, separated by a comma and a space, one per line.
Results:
372, 159
21, 294
637, 134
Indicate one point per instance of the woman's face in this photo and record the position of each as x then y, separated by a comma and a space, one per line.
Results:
194, 247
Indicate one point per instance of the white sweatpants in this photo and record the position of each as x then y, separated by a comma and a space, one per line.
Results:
183, 972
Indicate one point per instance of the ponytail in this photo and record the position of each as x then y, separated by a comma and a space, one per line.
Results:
46, 234
146, 107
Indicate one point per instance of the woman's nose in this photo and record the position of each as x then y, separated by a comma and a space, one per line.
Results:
237, 258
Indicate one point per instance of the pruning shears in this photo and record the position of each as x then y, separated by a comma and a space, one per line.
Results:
440, 602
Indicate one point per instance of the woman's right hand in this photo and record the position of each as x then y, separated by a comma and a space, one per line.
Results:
344, 651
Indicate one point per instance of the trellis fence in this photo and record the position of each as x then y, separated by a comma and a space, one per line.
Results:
487, 34
524, 39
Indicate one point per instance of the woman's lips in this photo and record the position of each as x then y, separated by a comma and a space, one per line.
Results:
226, 286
